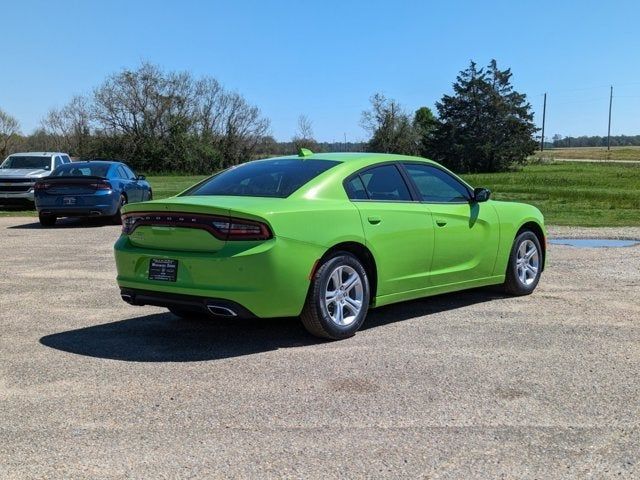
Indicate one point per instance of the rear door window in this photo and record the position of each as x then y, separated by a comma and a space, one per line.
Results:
121, 172
128, 172
384, 183
355, 189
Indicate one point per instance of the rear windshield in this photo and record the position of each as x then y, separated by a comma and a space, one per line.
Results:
82, 170
263, 178
24, 161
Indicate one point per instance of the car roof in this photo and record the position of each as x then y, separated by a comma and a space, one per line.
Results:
95, 162
359, 159
352, 156
36, 154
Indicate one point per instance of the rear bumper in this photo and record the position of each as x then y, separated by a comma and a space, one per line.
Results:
268, 279
98, 205
216, 307
16, 198
92, 211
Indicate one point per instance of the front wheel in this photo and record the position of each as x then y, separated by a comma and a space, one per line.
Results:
338, 299
525, 265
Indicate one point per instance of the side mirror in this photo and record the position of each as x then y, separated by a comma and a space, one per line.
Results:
141, 177
481, 194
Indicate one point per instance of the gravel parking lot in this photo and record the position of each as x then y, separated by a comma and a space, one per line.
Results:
470, 385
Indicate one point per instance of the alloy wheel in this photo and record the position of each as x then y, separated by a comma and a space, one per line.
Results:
344, 294
527, 262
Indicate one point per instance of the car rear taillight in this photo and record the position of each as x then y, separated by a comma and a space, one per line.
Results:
239, 229
41, 186
223, 228
128, 222
101, 185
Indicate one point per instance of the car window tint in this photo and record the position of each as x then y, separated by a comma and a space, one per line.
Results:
81, 169
436, 185
57, 162
385, 183
26, 161
121, 172
263, 178
355, 189
65, 159
129, 174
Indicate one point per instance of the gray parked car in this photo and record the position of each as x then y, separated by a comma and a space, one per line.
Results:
19, 172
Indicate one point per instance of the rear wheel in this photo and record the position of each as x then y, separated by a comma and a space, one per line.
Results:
338, 300
149, 195
117, 218
525, 264
47, 220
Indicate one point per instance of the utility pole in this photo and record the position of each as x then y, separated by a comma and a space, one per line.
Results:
609, 129
544, 116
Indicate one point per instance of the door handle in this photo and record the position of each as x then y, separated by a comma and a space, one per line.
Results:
441, 223
374, 220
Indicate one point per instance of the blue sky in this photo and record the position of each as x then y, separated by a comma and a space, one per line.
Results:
326, 58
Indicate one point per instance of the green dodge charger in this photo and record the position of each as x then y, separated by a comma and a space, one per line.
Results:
324, 237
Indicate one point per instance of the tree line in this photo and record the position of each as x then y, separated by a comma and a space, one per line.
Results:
593, 141
161, 121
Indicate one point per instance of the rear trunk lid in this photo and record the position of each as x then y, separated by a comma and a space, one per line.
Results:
85, 185
191, 223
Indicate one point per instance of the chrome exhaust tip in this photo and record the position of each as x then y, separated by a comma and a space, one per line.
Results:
127, 298
221, 311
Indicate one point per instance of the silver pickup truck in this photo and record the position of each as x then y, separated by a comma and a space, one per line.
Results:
19, 172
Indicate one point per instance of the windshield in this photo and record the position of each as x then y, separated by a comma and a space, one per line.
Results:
25, 161
263, 178
81, 170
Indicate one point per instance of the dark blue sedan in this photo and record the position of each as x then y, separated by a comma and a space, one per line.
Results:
96, 188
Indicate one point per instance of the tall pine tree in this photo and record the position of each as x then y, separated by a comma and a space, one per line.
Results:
485, 126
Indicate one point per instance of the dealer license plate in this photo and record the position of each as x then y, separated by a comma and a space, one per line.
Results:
163, 269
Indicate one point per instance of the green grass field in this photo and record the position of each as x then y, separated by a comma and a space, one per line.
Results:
591, 153
587, 194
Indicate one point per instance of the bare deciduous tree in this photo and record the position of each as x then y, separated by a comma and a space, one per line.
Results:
243, 127
303, 137
70, 126
9, 131
391, 127
159, 113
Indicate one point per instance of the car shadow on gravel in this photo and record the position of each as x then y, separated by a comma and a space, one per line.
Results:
67, 223
163, 337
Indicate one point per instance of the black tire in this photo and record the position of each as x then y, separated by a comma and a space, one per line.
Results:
514, 283
186, 314
149, 195
117, 218
47, 220
317, 315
